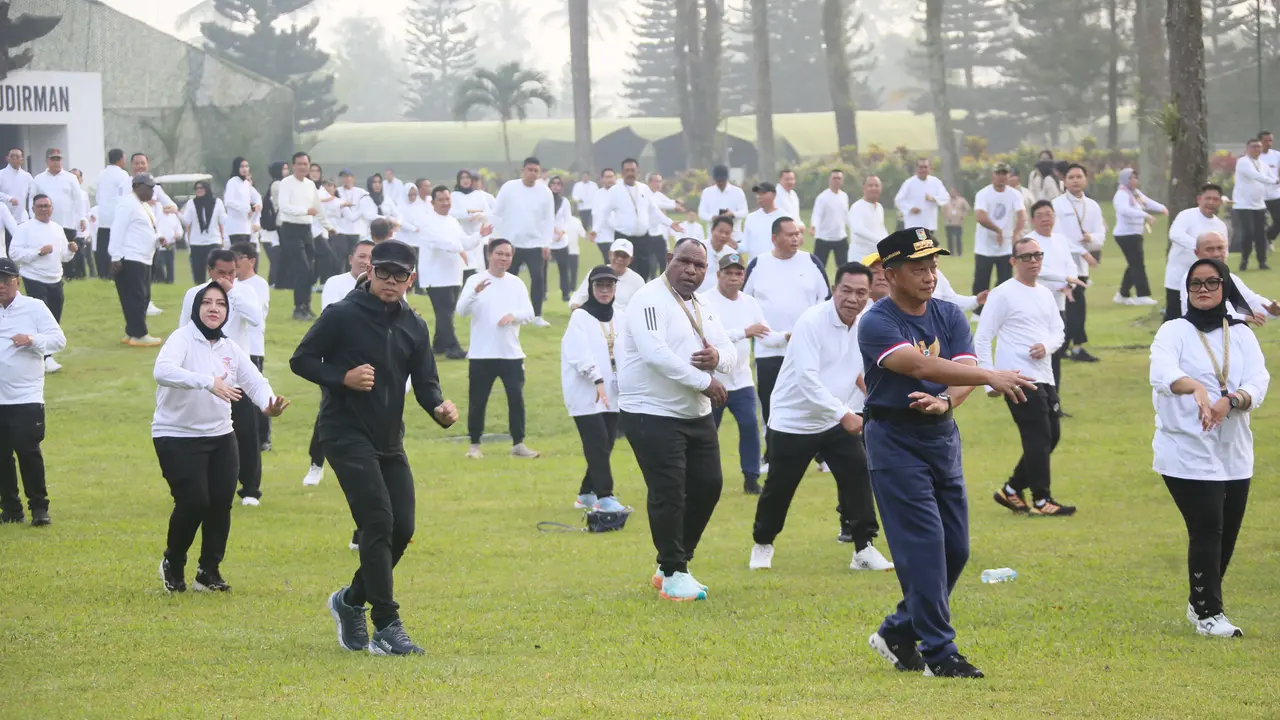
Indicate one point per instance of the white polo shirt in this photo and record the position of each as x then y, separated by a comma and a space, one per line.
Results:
818, 382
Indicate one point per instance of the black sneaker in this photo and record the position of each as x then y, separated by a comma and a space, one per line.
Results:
210, 581
751, 486
353, 631
299, 314
904, 656
1060, 413
1082, 355
40, 517
1053, 508
845, 536
953, 666
457, 353
1014, 501
393, 640
266, 447
7, 518
171, 576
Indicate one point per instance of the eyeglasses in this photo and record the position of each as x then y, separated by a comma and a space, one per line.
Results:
1030, 257
383, 272
1210, 284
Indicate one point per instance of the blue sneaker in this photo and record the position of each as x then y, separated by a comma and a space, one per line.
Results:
393, 640
681, 587
658, 578
353, 631
610, 504
585, 502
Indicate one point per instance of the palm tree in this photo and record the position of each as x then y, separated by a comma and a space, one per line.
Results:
580, 68
507, 91
764, 86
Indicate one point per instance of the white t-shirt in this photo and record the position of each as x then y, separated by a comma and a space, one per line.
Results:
1002, 208
785, 289
736, 316
1018, 316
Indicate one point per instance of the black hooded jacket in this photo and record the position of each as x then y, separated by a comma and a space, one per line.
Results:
362, 329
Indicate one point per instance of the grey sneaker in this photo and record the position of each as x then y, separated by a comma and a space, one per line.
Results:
171, 576
353, 631
520, 450
393, 640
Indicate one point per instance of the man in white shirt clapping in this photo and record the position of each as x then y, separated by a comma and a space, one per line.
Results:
1022, 317
828, 224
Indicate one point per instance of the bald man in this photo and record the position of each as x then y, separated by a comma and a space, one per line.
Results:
1214, 245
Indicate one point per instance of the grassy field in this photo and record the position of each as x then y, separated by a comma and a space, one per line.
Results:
522, 624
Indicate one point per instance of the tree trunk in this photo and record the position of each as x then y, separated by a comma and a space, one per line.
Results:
938, 89
712, 56
695, 132
764, 87
506, 148
1113, 79
580, 68
1189, 129
1153, 93
684, 75
839, 78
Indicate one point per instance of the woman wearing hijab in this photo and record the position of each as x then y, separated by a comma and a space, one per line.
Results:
413, 222
472, 207
1044, 182
378, 204
238, 201
566, 264
1208, 374
589, 379
267, 219
1132, 208
200, 373
204, 216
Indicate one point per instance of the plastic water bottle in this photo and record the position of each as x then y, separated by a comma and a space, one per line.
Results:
999, 575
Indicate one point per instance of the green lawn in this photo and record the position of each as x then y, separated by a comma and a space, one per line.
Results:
521, 624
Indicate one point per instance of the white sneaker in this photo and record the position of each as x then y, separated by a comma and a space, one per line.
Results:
152, 310
51, 366
314, 476
539, 322
250, 502
761, 557
1144, 300
764, 468
1192, 615
474, 452
681, 587
1122, 300
520, 450
1218, 626
823, 468
869, 558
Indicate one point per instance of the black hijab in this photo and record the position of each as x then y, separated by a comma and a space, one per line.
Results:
235, 168
375, 196
209, 334
457, 182
204, 206
1045, 168
276, 170
558, 197
596, 309
1209, 320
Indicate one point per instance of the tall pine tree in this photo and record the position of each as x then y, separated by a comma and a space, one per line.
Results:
288, 56
975, 34
1228, 35
504, 28
368, 69
441, 51
650, 86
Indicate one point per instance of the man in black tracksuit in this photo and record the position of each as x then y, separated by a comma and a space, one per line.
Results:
361, 351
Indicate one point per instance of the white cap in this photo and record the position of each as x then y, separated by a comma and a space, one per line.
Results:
623, 245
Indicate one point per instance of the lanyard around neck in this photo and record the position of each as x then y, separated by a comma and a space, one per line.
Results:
1220, 371
697, 310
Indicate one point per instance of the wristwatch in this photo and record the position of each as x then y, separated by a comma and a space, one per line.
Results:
1234, 400
944, 396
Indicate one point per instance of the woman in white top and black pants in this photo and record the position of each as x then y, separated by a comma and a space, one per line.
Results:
589, 379
1132, 208
199, 372
1208, 373
204, 217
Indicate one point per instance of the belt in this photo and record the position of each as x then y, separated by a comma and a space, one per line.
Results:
904, 416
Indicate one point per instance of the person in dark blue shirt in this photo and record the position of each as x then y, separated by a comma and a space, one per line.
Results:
919, 364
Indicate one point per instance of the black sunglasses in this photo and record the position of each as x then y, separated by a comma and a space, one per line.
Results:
1210, 284
1030, 257
383, 272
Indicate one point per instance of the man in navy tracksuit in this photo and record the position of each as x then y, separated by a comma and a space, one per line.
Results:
920, 364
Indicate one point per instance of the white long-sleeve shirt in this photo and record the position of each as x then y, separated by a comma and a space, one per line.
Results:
217, 222
1271, 159
245, 310
506, 295
830, 215
1181, 446
257, 334
1187, 226
583, 194
1057, 267
943, 290
588, 355
134, 232
22, 368
184, 371
294, 198
789, 203
866, 229
64, 190
757, 234
655, 373
911, 196
16, 185
238, 201
443, 241
1254, 181
714, 200
559, 233
1017, 317
114, 183
336, 288
601, 223
736, 316
660, 225
1256, 302
25, 251
350, 221
526, 215
784, 289
629, 283
370, 211
818, 382
1077, 216
632, 210
1131, 208
9, 223
462, 206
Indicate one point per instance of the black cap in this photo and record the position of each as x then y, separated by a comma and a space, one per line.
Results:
765, 187
393, 252
732, 260
8, 268
909, 244
601, 272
